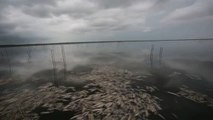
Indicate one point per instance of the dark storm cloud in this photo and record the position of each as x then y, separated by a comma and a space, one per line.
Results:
80, 8
65, 19
27, 4
70, 16
7, 28
76, 10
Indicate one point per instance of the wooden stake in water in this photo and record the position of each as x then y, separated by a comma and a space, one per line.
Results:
29, 55
54, 67
151, 56
9, 62
160, 55
2, 56
64, 61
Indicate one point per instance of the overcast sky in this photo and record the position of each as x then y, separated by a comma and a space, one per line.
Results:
81, 20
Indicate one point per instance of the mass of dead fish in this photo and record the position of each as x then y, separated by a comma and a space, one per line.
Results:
107, 96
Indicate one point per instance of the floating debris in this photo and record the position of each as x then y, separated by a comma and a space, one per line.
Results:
161, 116
171, 93
195, 96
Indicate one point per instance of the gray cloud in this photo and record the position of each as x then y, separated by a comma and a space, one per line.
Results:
115, 3
72, 19
198, 10
66, 17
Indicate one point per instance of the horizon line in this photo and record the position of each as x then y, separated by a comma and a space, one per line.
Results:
104, 41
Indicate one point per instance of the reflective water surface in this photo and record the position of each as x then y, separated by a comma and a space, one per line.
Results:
153, 81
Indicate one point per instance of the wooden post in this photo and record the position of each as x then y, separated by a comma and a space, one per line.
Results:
54, 67
9, 62
29, 55
160, 55
2, 56
151, 56
64, 61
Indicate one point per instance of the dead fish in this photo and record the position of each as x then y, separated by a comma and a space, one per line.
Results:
171, 93
48, 112
174, 115
131, 117
161, 116
76, 117
91, 116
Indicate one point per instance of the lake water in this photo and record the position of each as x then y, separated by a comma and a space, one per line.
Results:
179, 74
